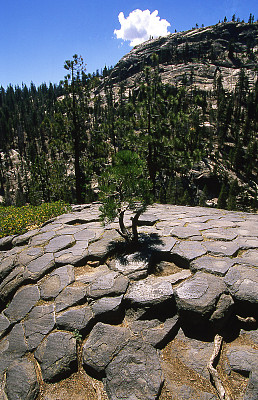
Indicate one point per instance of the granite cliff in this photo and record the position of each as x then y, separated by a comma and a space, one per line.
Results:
197, 55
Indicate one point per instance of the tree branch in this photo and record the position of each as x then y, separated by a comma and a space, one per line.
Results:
223, 395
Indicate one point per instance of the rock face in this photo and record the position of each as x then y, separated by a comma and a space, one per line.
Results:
142, 323
185, 54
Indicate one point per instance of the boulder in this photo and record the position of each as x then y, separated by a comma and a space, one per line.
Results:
12, 347
107, 308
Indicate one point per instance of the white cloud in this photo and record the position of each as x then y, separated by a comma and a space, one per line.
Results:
140, 26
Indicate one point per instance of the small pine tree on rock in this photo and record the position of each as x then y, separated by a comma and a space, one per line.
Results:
125, 185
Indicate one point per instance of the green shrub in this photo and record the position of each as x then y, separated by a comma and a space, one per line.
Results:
18, 220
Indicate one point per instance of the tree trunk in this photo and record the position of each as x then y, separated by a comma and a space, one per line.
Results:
135, 219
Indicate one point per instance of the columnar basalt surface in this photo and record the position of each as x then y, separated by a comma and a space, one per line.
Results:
76, 307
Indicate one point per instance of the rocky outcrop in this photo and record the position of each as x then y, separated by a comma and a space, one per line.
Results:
197, 56
142, 323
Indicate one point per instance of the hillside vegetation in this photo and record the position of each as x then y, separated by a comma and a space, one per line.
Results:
199, 141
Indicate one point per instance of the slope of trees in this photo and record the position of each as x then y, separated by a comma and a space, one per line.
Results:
65, 136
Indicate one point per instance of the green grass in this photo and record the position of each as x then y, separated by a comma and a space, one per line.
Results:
18, 220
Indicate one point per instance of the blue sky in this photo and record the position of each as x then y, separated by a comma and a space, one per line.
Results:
37, 36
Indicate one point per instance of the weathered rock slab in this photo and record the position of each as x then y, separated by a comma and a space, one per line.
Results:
110, 284
242, 282
56, 282
57, 355
21, 381
135, 373
103, 344
215, 265
38, 323
199, 293
75, 318
149, 291
22, 303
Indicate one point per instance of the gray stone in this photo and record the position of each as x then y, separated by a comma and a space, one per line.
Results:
57, 355
135, 373
220, 234
22, 303
195, 354
4, 324
87, 234
222, 248
247, 242
78, 318
242, 358
101, 247
37, 268
154, 331
214, 265
103, 344
12, 282
7, 264
186, 251
92, 273
59, 242
242, 282
109, 284
29, 254
21, 381
75, 255
12, 347
248, 257
147, 219
23, 239
149, 291
38, 323
184, 232
223, 308
166, 244
134, 265
106, 306
251, 392
199, 294
42, 238
6, 242
56, 282
70, 296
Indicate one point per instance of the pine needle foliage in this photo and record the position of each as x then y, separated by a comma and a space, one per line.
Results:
124, 185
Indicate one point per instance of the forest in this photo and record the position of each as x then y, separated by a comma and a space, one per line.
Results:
56, 140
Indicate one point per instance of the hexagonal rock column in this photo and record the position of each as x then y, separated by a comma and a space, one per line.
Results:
21, 381
57, 355
244, 359
135, 373
242, 282
197, 297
